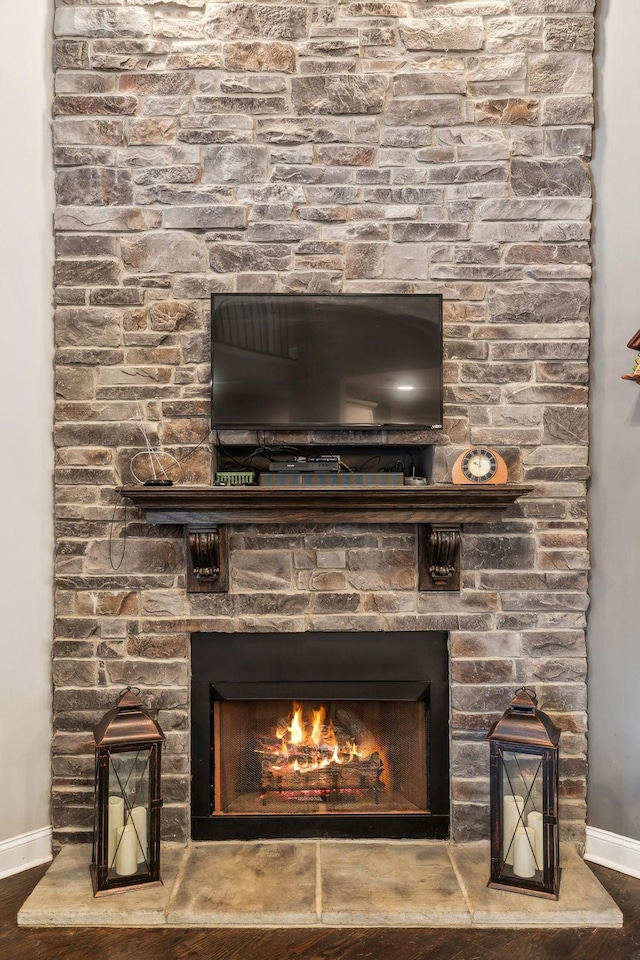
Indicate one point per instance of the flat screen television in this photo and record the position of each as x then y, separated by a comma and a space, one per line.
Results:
346, 360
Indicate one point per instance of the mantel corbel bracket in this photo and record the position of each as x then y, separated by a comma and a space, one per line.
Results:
439, 556
207, 559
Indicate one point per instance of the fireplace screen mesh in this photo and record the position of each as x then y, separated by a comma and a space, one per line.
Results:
314, 757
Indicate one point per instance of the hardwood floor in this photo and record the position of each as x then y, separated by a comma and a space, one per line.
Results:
296, 944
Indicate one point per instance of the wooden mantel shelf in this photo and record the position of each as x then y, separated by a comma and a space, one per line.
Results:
440, 510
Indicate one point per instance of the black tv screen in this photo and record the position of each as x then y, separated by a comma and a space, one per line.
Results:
304, 360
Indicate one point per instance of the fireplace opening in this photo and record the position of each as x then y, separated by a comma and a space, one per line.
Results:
328, 735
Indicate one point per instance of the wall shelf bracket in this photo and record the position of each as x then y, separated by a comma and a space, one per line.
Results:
207, 559
439, 556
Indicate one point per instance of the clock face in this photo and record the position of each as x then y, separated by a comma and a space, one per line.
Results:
479, 465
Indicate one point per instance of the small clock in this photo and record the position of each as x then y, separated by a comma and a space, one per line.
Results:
479, 465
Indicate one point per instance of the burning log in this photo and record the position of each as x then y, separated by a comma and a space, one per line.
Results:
315, 760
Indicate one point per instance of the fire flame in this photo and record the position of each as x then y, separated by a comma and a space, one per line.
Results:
312, 742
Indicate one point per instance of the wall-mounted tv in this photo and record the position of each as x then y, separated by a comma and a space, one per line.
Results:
344, 360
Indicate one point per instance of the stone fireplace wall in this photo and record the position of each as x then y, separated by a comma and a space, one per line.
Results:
368, 146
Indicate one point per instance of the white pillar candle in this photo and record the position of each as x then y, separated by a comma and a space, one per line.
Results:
512, 808
524, 861
116, 820
127, 853
534, 820
139, 818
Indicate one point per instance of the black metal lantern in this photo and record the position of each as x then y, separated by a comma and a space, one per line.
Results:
524, 800
126, 835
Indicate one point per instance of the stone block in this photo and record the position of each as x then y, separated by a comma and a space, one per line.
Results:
260, 56
234, 257
388, 570
109, 104
493, 68
338, 95
568, 141
261, 570
167, 315
561, 73
550, 178
100, 218
536, 302
230, 21
161, 252
567, 111
255, 83
79, 21
364, 260
424, 111
70, 54
87, 272
93, 186
509, 110
140, 557
436, 75
193, 217
170, 673
442, 33
336, 602
566, 424
569, 33
507, 34
235, 164
483, 671
246, 105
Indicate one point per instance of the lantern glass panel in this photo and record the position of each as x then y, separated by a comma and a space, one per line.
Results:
522, 840
129, 807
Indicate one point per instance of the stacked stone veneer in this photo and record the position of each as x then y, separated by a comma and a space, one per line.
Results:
352, 146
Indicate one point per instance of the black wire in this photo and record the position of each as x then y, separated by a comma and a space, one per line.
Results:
197, 446
226, 453
124, 533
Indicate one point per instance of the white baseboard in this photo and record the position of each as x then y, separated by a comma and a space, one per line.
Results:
611, 850
26, 851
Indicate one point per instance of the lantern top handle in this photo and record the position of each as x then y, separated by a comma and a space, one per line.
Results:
524, 700
129, 699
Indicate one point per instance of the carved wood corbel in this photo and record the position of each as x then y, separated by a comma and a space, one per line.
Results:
207, 559
439, 556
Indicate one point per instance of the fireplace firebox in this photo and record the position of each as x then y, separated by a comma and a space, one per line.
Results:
320, 735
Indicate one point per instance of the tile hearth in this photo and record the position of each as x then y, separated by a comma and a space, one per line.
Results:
318, 883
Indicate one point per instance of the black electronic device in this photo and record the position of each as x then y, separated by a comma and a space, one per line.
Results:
305, 360
306, 465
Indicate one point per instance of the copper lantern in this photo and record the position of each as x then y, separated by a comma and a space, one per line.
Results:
524, 799
126, 836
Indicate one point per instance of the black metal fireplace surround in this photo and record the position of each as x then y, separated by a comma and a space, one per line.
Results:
357, 678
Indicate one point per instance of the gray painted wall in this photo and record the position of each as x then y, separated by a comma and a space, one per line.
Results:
614, 619
26, 380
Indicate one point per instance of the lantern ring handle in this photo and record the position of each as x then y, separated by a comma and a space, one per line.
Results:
528, 690
136, 690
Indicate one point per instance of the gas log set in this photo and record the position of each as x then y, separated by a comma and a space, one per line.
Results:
309, 756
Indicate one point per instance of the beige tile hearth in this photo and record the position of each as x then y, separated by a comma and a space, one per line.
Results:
64, 896
583, 900
401, 883
263, 884
317, 883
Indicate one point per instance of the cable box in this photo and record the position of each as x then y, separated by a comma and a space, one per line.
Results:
306, 465
331, 480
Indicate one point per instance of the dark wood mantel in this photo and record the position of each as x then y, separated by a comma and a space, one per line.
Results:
439, 510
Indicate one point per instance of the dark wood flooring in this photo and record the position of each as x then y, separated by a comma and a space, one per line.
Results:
294, 944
